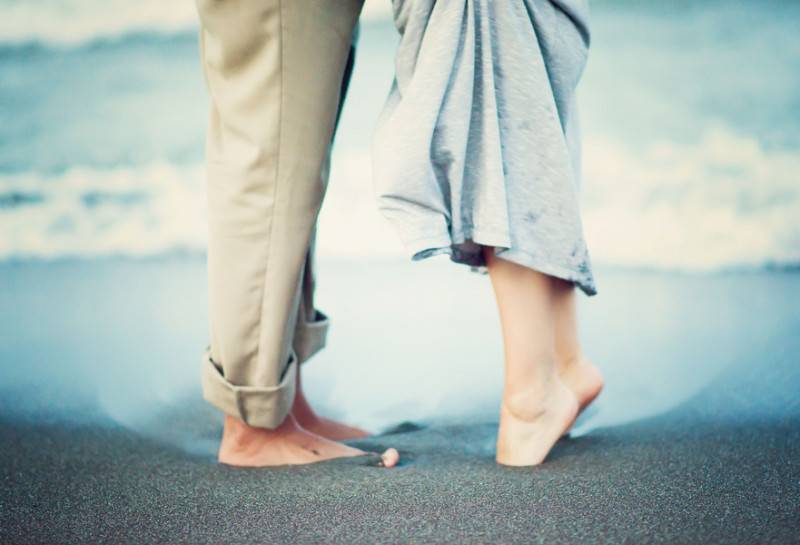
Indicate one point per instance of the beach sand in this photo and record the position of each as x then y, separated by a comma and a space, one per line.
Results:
104, 437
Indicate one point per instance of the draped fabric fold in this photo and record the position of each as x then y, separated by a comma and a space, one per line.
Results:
478, 141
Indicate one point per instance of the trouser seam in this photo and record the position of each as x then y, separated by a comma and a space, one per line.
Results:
276, 184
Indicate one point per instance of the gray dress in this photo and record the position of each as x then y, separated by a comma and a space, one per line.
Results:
478, 142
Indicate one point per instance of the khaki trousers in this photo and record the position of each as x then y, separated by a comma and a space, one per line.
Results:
275, 71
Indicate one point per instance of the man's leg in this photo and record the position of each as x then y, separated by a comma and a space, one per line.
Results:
273, 69
312, 324
309, 338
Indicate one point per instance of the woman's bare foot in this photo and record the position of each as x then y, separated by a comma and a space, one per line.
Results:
584, 379
288, 444
531, 424
538, 408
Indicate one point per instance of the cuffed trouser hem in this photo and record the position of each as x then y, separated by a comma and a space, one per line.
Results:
261, 407
310, 336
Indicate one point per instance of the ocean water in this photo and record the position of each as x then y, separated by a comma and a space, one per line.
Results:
691, 119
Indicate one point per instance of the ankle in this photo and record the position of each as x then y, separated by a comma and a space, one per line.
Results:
301, 408
529, 402
569, 361
304, 414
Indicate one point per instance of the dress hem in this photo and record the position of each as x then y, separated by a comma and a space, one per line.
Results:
429, 246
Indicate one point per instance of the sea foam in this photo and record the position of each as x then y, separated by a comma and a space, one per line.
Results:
721, 202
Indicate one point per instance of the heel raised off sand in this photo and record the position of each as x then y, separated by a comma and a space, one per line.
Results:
531, 426
585, 381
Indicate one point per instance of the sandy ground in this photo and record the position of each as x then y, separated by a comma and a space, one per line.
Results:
104, 438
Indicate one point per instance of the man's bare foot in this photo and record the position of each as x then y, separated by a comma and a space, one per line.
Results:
531, 423
331, 429
288, 444
584, 379
309, 420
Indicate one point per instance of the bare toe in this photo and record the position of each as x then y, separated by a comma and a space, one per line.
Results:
390, 457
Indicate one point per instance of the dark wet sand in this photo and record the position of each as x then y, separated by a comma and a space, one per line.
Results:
722, 467
690, 476
663, 481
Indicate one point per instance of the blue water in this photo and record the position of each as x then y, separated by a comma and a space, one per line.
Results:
672, 69
111, 103
691, 117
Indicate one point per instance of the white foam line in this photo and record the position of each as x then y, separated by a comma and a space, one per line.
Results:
721, 202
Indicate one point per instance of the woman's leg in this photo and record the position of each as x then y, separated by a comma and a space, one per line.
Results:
537, 406
582, 377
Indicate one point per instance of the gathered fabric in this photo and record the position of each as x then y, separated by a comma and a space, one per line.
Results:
478, 142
